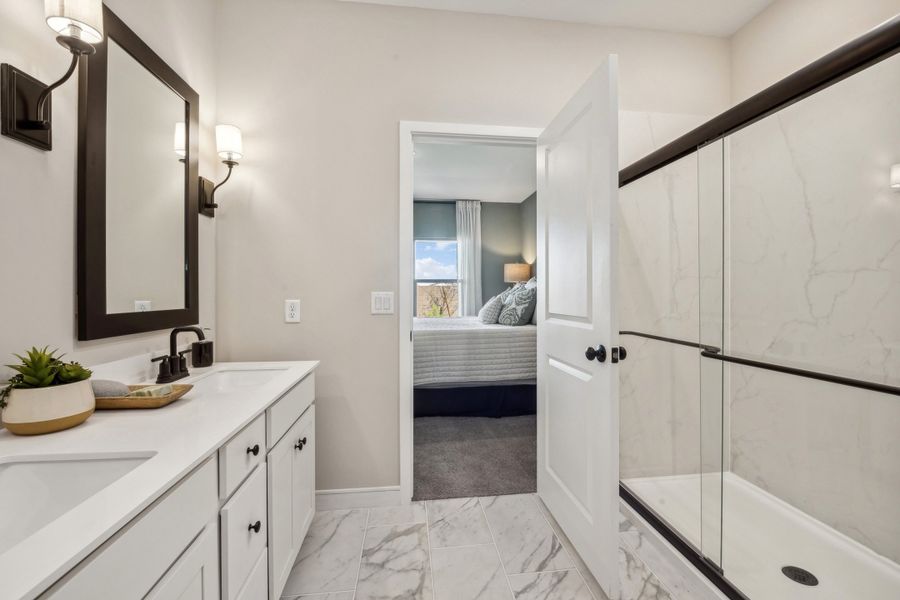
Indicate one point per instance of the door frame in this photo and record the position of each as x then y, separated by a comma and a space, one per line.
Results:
406, 270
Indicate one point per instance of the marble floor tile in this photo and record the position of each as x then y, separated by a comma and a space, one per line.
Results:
395, 564
469, 573
525, 539
555, 585
594, 587
397, 515
328, 596
457, 522
637, 582
329, 557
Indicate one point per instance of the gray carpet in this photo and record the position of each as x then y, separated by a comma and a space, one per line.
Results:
457, 457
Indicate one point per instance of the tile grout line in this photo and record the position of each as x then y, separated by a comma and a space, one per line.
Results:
512, 594
430, 558
536, 500
362, 547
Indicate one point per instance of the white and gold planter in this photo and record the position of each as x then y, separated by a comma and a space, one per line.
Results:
44, 410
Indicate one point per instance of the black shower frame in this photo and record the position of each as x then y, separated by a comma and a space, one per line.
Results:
875, 46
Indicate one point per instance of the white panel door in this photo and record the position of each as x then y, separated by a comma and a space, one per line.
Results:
578, 411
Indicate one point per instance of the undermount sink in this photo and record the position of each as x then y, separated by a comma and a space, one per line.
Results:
36, 490
236, 379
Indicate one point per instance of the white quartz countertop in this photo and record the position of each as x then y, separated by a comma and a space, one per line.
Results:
179, 437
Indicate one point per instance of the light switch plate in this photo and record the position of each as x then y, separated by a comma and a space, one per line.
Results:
291, 311
143, 305
382, 303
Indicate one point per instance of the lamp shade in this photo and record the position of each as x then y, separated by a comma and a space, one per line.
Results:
895, 176
81, 19
516, 272
229, 144
180, 141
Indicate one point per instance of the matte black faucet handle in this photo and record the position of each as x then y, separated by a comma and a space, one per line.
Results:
164, 370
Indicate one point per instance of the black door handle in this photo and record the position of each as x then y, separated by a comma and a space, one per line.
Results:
255, 527
254, 450
300, 443
599, 353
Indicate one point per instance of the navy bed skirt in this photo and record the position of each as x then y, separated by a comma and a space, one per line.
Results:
480, 401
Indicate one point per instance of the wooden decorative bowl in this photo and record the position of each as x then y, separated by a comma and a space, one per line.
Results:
120, 402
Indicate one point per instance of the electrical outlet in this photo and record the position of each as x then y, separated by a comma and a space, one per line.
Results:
291, 311
382, 303
143, 305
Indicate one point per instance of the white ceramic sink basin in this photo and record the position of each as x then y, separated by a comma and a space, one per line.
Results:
35, 490
236, 379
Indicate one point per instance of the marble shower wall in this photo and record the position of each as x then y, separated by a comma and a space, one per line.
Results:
814, 242
658, 294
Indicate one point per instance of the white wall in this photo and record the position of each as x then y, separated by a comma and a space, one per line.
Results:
312, 211
790, 34
38, 198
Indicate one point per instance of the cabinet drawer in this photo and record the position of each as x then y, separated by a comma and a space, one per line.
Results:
240, 455
127, 565
281, 415
257, 585
241, 542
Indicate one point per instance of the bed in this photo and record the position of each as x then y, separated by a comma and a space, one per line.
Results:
463, 367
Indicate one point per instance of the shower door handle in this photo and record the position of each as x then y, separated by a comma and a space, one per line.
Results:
599, 353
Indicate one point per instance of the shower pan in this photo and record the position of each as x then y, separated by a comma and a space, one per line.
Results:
759, 292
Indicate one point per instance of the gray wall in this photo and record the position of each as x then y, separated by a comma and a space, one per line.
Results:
501, 242
434, 220
528, 210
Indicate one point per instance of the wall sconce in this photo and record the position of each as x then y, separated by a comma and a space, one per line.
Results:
516, 272
25, 101
895, 176
230, 147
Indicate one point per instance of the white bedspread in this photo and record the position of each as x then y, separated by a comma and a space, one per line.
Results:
464, 350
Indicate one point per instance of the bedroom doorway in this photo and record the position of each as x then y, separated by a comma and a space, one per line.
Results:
470, 410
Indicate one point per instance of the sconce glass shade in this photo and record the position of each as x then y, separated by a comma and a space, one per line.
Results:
895, 176
180, 141
80, 19
516, 272
229, 144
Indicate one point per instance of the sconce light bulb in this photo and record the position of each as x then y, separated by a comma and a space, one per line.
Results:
895, 176
229, 143
78, 19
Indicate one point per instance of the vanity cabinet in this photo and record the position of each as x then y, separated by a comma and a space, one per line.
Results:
291, 484
195, 576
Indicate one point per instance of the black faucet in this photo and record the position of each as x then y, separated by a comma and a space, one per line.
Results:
174, 366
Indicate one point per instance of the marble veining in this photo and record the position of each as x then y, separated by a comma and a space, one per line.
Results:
329, 557
401, 560
395, 564
525, 539
414, 512
457, 522
555, 584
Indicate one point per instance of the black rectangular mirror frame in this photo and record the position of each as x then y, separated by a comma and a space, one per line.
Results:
93, 320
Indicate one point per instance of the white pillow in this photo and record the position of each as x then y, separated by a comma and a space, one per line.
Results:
490, 312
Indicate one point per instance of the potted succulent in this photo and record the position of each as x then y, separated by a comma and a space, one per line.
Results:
46, 394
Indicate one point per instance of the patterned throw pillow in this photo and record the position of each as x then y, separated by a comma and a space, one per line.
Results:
505, 293
530, 284
490, 312
518, 307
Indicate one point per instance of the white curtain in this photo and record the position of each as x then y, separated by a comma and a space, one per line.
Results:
468, 248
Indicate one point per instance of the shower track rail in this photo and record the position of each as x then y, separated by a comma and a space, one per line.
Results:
856, 383
660, 338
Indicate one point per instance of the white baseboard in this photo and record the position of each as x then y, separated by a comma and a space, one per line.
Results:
358, 498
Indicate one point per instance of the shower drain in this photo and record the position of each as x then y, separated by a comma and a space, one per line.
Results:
801, 576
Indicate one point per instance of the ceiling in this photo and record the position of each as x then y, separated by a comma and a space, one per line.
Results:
709, 17
486, 171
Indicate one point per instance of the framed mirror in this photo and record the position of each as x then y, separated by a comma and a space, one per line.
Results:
138, 127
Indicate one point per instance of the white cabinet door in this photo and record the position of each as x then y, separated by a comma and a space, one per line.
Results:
195, 575
304, 484
292, 497
280, 481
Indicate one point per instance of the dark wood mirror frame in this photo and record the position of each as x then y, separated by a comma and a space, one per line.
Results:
93, 320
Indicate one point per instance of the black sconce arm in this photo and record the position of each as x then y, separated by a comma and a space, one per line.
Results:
212, 196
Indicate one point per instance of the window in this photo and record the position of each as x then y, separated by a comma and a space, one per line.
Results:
437, 283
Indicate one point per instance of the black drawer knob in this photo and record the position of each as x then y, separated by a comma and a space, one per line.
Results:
255, 527
254, 450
